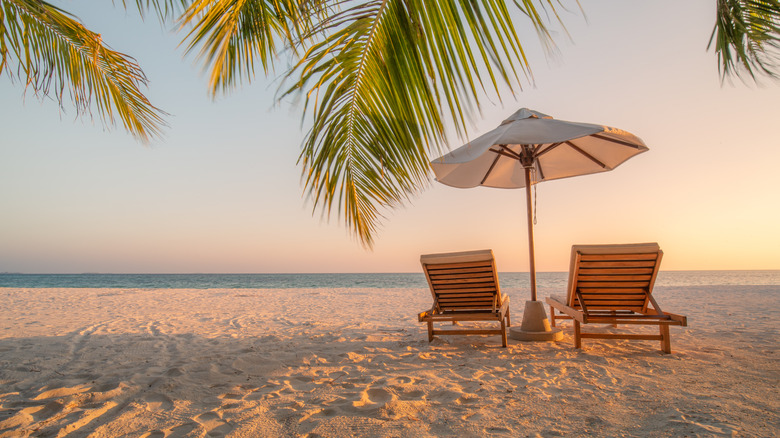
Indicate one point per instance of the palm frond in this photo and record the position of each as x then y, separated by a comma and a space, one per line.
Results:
164, 9
382, 81
747, 38
231, 34
55, 55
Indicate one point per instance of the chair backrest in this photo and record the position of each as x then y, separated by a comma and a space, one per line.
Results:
613, 277
463, 281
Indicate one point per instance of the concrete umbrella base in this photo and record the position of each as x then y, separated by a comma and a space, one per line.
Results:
535, 326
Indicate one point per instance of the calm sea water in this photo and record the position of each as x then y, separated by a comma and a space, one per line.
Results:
315, 281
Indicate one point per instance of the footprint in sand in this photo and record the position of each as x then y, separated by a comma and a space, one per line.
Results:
256, 394
153, 328
32, 414
401, 380
213, 423
174, 372
444, 395
472, 416
84, 416
415, 394
231, 400
267, 391
46, 411
303, 384
158, 402
236, 323
184, 430
62, 392
467, 399
371, 399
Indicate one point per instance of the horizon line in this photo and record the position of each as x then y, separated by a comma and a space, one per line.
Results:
339, 273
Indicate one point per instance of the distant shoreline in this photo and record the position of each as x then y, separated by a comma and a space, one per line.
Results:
508, 280
342, 273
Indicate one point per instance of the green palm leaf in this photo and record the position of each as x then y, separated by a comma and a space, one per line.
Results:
747, 37
381, 82
380, 78
55, 55
164, 9
232, 33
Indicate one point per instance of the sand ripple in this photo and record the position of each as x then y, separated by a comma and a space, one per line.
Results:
287, 363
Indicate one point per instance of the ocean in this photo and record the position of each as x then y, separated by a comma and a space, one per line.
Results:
342, 281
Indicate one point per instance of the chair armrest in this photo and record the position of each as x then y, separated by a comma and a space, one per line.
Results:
504, 305
422, 316
683, 320
552, 301
574, 313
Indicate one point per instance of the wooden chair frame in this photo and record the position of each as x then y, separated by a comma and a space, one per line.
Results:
464, 287
613, 284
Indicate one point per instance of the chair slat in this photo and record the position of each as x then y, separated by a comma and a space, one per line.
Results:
434, 268
602, 303
622, 284
615, 278
450, 303
613, 257
471, 297
466, 304
468, 282
623, 271
626, 264
473, 287
436, 272
466, 277
588, 297
628, 290
636, 309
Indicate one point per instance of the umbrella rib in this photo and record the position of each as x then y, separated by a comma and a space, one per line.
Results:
505, 151
552, 146
492, 165
589, 156
614, 140
539, 168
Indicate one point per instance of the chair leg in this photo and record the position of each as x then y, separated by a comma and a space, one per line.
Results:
430, 331
577, 338
666, 341
503, 334
552, 316
508, 322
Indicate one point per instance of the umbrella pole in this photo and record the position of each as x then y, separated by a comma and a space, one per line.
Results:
529, 209
535, 326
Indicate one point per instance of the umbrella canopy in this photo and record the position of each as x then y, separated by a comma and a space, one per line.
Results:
530, 147
551, 148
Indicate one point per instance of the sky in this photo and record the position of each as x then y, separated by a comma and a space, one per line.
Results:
221, 192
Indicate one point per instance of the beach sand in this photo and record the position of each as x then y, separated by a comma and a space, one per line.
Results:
355, 362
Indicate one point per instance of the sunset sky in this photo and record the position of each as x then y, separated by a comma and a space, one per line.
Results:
222, 192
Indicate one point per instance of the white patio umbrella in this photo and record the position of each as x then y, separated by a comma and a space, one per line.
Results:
530, 147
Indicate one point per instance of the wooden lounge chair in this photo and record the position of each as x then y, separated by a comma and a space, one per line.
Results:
465, 287
613, 284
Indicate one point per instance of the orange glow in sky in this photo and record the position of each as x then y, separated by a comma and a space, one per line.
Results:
222, 192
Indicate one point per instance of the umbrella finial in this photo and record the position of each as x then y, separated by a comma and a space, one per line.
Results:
525, 113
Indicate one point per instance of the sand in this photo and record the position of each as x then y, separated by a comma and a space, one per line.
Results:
355, 362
